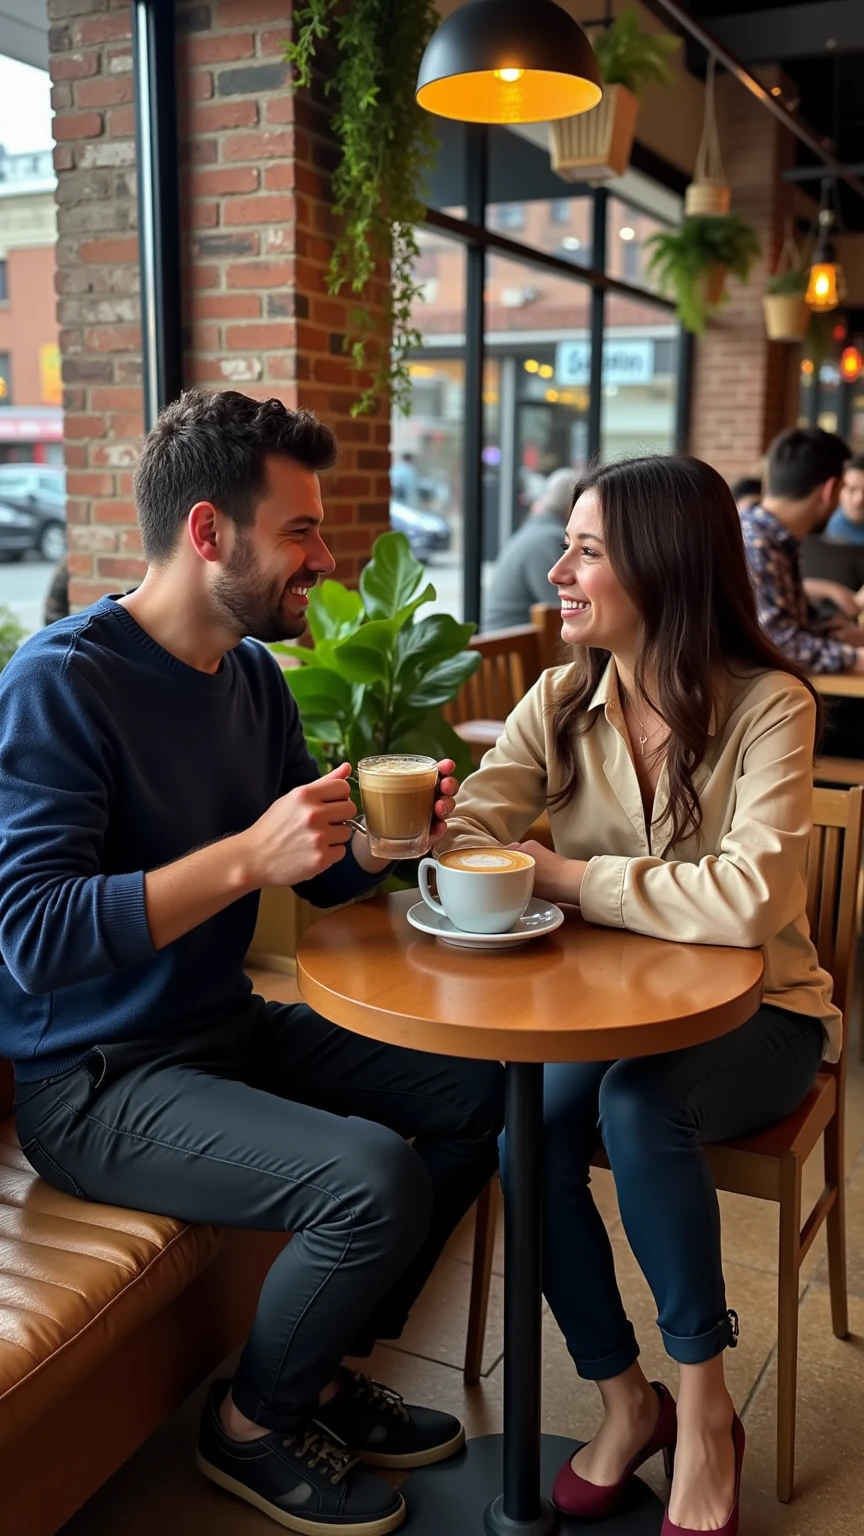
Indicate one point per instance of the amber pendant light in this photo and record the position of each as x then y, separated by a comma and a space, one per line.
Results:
509, 61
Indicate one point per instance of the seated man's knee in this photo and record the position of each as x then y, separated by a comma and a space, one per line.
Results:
394, 1187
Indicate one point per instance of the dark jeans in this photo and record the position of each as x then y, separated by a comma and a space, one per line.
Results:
277, 1120
653, 1114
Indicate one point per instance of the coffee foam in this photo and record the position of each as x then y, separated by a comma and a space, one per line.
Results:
485, 860
397, 767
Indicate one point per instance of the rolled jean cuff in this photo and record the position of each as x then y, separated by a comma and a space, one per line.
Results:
703, 1346
246, 1399
610, 1365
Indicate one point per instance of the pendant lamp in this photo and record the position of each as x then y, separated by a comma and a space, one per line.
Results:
826, 287
509, 61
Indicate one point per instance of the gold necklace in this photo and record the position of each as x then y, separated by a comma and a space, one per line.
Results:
643, 737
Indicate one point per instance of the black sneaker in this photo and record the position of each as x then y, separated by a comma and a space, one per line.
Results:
376, 1425
305, 1482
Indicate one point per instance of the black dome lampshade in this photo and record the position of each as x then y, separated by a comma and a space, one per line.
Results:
509, 61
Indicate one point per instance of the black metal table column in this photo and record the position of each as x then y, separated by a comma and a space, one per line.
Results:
495, 1487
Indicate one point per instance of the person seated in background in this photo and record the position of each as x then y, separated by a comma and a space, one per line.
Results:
521, 574
154, 776
846, 525
747, 492
57, 596
804, 472
675, 758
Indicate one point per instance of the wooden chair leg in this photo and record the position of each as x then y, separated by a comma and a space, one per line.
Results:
787, 1322
481, 1279
835, 1222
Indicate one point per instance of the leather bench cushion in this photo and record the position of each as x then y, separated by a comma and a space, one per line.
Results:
75, 1278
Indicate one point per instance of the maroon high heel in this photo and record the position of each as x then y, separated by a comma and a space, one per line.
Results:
574, 1495
668, 1527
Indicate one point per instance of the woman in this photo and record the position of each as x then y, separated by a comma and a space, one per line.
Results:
675, 759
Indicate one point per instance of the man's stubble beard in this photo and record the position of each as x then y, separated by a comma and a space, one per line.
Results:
246, 601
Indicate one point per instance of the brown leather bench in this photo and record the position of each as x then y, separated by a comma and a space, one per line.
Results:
109, 1318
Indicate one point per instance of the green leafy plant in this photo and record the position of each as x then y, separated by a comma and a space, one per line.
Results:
792, 282
386, 144
630, 57
687, 262
11, 635
377, 675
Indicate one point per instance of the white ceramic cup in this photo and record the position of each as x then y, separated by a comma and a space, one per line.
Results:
482, 899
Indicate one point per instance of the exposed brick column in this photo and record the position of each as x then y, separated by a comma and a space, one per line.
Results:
256, 232
742, 380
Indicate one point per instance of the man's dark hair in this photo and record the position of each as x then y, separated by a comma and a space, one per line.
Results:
748, 485
210, 445
856, 462
802, 459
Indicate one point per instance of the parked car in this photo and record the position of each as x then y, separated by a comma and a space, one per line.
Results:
426, 532
16, 533
38, 491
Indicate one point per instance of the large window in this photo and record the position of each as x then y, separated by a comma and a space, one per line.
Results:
579, 357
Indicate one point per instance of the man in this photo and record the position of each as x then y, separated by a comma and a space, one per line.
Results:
846, 525
805, 468
405, 482
747, 492
153, 777
521, 575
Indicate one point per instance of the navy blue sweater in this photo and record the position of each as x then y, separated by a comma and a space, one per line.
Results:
117, 758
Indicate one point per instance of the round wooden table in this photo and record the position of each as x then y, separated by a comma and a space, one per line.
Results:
582, 994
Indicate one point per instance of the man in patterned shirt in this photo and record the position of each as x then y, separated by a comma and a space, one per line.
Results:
805, 471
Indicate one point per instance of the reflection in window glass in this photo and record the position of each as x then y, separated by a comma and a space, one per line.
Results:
560, 226
627, 229
538, 337
427, 500
640, 379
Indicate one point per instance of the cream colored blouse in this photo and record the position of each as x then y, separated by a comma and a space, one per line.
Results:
739, 881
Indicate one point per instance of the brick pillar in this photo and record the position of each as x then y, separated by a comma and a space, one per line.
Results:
742, 380
256, 233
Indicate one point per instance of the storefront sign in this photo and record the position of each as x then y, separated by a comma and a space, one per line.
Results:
51, 386
624, 362
21, 426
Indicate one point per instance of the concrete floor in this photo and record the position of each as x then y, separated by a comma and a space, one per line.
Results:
160, 1491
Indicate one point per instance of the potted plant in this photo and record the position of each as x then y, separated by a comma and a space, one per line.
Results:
11, 635
691, 264
374, 679
786, 314
596, 145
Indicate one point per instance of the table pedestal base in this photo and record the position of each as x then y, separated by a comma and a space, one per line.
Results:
452, 1499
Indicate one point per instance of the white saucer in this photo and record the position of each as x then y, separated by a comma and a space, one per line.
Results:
539, 918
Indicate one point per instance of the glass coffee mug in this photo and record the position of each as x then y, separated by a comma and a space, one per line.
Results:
481, 890
398, 794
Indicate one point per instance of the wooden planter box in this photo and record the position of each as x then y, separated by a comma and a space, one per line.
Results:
596, 145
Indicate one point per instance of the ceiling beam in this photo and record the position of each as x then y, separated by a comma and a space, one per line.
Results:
792, 31
708, 39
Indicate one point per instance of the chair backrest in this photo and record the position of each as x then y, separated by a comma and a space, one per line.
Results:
833, 874
510, 665
546, 618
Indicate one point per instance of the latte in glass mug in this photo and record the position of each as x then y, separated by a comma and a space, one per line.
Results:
398, 793
481, 890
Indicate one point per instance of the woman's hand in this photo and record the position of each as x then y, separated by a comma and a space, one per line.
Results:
555, 878
445, 798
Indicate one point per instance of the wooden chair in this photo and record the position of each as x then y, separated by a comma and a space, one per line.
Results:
510, 665
769, 1166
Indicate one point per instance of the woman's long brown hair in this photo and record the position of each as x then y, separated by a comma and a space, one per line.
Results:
673, 538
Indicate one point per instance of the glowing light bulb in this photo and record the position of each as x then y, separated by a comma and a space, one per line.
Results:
509, 76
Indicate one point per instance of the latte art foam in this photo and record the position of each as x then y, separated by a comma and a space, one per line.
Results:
485, 861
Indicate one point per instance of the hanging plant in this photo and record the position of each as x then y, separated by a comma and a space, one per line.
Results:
691, 264
708, 193
386, 143
596, 145
786, 314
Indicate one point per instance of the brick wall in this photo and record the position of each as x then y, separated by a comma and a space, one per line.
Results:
256, 233
743, 383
